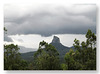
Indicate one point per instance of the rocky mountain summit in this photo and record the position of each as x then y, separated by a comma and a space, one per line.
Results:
55, 40
56, 43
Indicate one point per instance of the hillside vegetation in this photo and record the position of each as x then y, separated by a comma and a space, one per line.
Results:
53, 56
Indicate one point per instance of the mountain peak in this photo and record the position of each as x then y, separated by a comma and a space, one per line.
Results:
55, 40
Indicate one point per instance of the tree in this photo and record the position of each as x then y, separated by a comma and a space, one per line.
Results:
64, 66
12, 59
46, 58
85, 55
69, 59
88, 51
5, 30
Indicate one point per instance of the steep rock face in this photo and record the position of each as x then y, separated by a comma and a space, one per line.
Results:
56, 43
55, 40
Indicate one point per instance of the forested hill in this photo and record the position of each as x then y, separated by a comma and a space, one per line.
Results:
56, 43
54, 56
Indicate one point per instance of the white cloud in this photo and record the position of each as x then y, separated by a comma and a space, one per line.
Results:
32, 41
29, 41
28, 25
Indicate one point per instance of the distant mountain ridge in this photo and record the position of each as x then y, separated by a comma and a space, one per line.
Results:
56, 43
25, 50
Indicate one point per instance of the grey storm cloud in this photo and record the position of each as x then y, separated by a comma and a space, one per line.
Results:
47, 20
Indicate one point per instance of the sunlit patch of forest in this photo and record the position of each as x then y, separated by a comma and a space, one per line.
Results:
47, 56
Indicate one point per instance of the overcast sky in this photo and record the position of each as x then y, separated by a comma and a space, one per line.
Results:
46, 20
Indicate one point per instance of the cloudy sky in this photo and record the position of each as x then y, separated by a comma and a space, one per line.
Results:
28, 24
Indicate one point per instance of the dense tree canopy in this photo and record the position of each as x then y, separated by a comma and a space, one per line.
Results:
85, 56
12, 59
46, 58
81, 57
